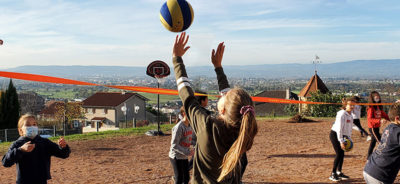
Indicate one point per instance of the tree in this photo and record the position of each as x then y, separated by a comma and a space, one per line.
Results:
2, 101
291, 109
69, 111
328, 110
10, 108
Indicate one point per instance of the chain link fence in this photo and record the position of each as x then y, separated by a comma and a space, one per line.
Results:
9, 135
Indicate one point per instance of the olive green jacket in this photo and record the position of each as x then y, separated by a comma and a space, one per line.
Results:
214, 138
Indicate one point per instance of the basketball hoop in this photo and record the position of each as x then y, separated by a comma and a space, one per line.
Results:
158, 70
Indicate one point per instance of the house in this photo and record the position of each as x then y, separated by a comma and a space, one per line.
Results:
313, 85
107, 108
275, 109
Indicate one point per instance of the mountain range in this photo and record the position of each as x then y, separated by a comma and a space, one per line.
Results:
358, 69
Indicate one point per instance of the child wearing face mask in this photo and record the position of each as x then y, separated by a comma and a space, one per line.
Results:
376, 116
32, 153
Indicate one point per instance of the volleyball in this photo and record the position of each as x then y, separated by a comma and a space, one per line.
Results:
348, 144
176, 15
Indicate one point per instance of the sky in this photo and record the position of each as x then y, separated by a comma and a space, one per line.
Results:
129, 32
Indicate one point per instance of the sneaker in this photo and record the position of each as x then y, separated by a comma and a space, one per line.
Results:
334, 177
342, 176
368, 138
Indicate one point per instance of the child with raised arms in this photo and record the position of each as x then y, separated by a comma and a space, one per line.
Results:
220, 141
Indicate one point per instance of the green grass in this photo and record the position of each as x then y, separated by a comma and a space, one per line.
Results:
163, 98
57, 93
101, 135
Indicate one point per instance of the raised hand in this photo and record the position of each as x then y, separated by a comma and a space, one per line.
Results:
62, 143
216, 57
27, 147
180, 45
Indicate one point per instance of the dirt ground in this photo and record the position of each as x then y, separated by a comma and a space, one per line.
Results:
282, 153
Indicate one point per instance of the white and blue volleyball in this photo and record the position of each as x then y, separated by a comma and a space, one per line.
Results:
176, 15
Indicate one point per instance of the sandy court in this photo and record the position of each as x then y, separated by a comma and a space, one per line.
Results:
282, 153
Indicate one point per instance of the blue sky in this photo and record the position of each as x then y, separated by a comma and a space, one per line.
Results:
129, 32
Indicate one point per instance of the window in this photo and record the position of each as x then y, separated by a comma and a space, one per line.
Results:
90, 110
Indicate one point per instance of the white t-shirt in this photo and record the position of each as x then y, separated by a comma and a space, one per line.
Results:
343, 125
356, 113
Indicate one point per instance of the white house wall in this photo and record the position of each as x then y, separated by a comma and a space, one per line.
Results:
99, 113
141, 115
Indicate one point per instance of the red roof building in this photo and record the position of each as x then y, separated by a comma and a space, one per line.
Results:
314, 84
111, 109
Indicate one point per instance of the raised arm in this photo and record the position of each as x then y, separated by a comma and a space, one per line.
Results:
216, 59
197, 115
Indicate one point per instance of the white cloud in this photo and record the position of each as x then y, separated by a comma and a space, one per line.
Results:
130, 33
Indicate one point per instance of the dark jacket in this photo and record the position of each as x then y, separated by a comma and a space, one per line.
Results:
214, 138
34, 166
384, 162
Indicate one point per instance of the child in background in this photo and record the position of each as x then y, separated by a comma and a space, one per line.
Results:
384, 163
32, 153
376, 116
341, 128
220, 141
356, 116
180, 149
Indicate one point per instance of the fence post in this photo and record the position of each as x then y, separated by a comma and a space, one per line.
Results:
5, 134
54, 130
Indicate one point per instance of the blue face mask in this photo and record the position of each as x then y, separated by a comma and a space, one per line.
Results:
31, 131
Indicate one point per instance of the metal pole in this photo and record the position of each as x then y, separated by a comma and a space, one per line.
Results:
54, 130
158, 104
126, 121
134, 121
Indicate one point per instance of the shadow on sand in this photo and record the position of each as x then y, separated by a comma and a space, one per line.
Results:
309, 156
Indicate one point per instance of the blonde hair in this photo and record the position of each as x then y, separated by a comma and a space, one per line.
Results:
234, 100
394, 111
22, 120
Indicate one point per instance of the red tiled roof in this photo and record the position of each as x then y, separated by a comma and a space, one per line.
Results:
104, 99
51, 107
315, 83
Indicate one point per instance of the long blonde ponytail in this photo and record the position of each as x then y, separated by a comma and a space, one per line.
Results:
247, 132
